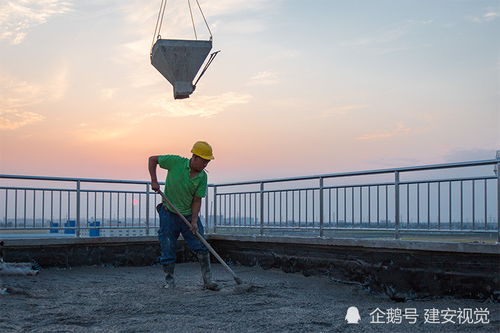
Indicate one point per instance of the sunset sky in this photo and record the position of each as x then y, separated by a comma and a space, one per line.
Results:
299, 87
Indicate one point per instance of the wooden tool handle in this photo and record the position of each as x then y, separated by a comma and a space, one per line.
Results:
200, 237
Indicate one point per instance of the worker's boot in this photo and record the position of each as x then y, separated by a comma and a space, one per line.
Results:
169, 275
206, 273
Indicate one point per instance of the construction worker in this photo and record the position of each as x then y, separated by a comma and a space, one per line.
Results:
185, 186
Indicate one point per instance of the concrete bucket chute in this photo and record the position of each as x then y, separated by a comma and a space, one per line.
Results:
179, 60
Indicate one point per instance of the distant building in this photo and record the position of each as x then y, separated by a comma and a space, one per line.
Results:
95, 230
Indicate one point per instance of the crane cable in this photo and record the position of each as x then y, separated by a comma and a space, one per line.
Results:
159, 22
159, 19
214, 54
204, 19
192, 21
161, 14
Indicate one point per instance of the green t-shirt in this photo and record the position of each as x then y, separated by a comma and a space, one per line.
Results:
179, 187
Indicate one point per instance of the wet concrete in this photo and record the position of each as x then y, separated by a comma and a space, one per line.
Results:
131, 299
399, 270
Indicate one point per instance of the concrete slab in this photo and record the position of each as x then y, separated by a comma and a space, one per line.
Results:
399, 268
474, 247
131, 299
369, 243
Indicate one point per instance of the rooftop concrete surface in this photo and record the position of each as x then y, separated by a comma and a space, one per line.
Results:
370, 243
132, 299
402, 269
18, 242
472, 247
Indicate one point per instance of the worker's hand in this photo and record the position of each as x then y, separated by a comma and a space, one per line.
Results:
194, 227
155, 186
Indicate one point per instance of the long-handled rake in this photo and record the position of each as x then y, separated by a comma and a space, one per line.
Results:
200, 237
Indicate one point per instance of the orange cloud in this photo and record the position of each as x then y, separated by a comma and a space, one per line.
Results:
13, 119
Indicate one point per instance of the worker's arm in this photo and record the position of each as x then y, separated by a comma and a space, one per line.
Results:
152, 162
195, 210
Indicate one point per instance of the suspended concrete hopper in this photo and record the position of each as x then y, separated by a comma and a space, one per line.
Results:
179, 61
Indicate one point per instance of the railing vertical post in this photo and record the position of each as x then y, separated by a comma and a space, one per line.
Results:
78, 233
215, 209
206, 209
396, 203
6, 205
261, 209
321, 215
498, 200
147, 209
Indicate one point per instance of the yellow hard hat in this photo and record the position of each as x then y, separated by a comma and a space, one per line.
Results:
203, 150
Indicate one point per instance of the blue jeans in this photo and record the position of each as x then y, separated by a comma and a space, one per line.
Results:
171, 225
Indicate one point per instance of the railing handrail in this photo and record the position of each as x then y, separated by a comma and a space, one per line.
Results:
367, 172
273, 180
411, 182
83, 180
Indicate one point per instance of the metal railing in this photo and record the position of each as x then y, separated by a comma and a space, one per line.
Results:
335, 204
326, 205
85, 207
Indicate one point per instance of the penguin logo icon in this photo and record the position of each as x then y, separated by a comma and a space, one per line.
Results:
352, 315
